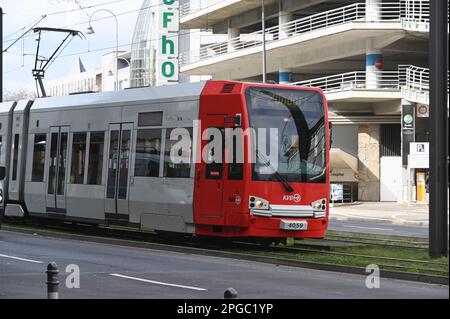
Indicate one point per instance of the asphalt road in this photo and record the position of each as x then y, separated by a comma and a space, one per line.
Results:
122, 272
376, 227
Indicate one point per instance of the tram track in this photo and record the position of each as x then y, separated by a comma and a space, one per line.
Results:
425, 270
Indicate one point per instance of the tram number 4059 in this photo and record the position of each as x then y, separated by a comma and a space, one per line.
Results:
294, 225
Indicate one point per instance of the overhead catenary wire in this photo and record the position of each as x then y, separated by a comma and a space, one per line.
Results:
93, 50
24, 34
20, 30
102, 18
98, 19
69, 10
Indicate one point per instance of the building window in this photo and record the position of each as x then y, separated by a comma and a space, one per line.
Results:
150, 119
95, 163
236, 169
40, 142
78, 158
15, 156
181, 169
148, 152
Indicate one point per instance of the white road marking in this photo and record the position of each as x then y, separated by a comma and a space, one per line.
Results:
362, 217
22, 259
158, 282
362, 227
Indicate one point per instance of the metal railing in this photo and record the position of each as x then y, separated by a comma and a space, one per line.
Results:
386, 12
417, 85
187, 8
418, 79
415, 10
412, 81
358, 80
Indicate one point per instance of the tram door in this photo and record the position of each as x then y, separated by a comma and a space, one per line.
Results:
211, 178
56, 182
117, 187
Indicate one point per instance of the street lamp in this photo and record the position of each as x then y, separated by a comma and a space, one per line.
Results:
90, 30
111, 73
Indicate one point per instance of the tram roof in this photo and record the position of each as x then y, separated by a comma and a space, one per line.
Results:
179, 92
6, 106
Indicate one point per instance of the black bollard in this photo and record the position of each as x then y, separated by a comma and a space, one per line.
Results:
230, 293
52, 281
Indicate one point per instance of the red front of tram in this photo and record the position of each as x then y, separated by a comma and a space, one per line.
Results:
272, 184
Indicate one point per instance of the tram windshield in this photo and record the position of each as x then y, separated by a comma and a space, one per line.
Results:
298, 118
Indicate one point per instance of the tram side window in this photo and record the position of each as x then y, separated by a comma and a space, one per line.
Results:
148, 152
214, 170
95, 163
180, 165
78, 158
15, 157
150, 119
40, 142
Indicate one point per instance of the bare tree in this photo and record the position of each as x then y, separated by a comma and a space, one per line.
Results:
20, 94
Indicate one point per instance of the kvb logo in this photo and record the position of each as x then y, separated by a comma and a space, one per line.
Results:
295, 197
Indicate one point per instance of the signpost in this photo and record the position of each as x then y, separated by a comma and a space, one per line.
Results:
169, 26
408, 112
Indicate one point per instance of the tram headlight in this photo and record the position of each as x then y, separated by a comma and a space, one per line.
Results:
257, 202
320, 204
1, 196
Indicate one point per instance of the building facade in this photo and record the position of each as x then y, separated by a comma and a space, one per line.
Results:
79, 79
370, 58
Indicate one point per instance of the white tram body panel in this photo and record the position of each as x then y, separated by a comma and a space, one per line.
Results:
76, 157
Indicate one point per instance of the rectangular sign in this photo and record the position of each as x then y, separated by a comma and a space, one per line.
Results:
168, 49
418, 161
337, 192
419, 149
343, 175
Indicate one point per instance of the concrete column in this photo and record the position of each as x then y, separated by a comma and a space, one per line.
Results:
369, 162
373, 10
284, 17
374, 65
285, 76
232, 33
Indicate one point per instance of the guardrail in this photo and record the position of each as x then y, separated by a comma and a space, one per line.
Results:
417, 85
358, 80
357, 12
412, 81
418, 78
187, 8
415, 10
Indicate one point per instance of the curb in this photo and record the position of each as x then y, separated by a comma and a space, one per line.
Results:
442, 280
379, 221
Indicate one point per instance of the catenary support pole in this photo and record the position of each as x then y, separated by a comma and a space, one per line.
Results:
1, 55
264, 57
438, 50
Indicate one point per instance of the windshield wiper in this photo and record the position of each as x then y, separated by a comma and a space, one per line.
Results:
275, 173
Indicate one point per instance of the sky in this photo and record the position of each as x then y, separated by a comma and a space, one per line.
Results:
19, 14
